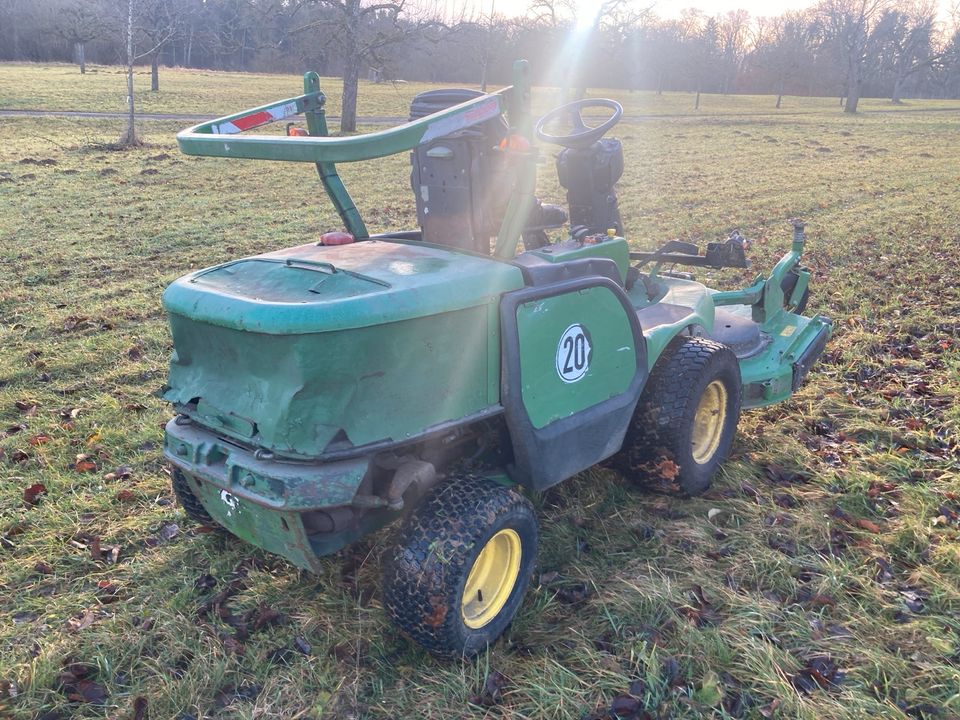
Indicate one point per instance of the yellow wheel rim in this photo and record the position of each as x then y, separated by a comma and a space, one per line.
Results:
491, 579
708, 422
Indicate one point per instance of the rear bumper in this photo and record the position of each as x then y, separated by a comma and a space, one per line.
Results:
269, 503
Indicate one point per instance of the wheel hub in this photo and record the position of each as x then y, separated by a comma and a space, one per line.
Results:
491, 579
708, 422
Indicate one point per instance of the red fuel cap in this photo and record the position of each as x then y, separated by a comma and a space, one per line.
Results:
336, 238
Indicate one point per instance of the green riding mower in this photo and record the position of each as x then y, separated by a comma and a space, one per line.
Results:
437, 376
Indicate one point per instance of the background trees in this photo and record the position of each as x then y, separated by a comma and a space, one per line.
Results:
892, 48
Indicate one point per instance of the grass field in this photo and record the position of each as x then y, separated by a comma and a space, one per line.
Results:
103, 89
819, 578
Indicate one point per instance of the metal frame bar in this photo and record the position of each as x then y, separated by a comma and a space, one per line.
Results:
221, 138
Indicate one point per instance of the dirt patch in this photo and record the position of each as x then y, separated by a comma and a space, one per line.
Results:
34, 161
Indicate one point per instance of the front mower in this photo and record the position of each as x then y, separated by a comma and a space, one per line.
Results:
436, 376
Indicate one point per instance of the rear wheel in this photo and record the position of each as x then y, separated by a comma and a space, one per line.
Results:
461, 565
188, 501
686, 419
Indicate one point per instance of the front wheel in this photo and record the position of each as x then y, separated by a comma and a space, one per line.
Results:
686, 419
461, 565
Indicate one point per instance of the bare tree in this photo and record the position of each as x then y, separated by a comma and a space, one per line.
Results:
80, 22
129, 136
158, 22
733, 30
849, 25
784, 48
362, 31
906, 38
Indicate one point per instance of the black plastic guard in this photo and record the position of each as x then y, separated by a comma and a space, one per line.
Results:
546, 456
813, 352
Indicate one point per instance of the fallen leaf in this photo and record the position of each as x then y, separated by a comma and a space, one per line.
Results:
26, 408
76, 683
121, 473
168, 530
81, 623
624, 707
125, 495
667, 469
266, 616
228, 693
820, 672
233, 646
913, 600
492, 692
140, 708
43, 568
670, 671
768, 711
85, 463
867, 525
37, 440
573, 594
31, 496
95, 552
107, 592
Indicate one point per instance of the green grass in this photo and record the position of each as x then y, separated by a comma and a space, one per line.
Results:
712, 613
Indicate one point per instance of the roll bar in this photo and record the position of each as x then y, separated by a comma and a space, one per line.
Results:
222, 138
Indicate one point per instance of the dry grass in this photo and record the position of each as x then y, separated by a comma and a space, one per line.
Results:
829, 540
103, 89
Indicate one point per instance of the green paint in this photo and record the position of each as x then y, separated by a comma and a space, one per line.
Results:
605, 368
312, 288
612, 248
336, 190
369, 384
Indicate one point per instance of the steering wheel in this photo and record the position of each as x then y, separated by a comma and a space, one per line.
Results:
582, 136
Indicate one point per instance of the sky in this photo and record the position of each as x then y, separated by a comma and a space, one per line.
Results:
672, 8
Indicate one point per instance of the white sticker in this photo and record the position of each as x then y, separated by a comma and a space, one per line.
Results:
573, 354
230, 501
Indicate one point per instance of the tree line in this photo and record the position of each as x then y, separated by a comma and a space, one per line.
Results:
846, 48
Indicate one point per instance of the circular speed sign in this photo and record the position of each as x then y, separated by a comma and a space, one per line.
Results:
573, 353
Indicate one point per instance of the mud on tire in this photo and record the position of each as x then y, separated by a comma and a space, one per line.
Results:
427, 570
663, 430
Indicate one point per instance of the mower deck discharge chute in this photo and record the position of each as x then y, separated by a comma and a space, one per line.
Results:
432, 375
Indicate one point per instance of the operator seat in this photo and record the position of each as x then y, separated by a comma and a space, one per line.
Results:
461, 183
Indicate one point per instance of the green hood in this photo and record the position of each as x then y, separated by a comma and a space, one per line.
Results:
314, 288
315, 349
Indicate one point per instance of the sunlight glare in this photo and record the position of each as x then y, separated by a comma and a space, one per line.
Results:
586, 12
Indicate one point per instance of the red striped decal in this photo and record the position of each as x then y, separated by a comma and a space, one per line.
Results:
249, 121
